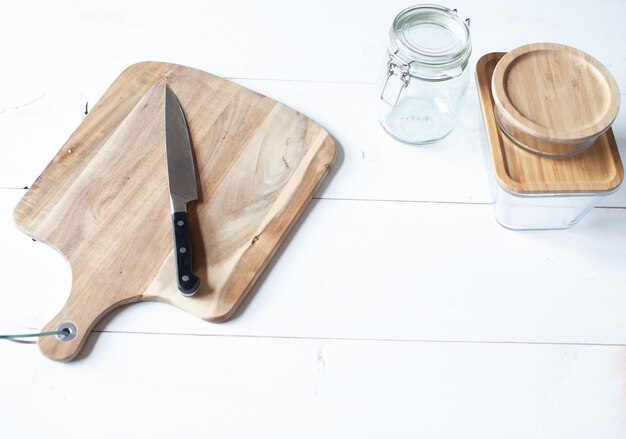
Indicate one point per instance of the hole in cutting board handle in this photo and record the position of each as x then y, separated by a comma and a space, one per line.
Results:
69, 330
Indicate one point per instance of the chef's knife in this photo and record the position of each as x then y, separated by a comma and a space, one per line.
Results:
183, 189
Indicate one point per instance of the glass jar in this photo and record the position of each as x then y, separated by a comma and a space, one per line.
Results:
425, 79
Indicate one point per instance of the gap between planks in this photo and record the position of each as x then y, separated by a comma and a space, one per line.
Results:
379, 200
356, 339
470, 86
461, 203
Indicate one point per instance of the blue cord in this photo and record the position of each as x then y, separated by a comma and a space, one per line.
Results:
16, 337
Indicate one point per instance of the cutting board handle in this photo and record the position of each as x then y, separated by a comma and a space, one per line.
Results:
77, 319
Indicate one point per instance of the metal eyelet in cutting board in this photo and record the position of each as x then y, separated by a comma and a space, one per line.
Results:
103, 200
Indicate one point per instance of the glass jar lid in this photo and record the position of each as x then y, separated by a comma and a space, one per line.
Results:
431, 38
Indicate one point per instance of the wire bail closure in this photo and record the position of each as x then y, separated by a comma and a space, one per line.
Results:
396, 67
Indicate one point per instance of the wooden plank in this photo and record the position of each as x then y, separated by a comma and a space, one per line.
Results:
410, 271
276, 41
51, 102
240, 387
430, 272
371, 165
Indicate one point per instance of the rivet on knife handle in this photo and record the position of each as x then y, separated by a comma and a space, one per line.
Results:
188, 283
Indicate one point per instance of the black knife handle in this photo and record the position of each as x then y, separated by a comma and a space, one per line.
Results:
188, 283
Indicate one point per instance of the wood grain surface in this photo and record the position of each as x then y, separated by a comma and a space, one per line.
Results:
553, 99
597, 170
103, 201
555, 91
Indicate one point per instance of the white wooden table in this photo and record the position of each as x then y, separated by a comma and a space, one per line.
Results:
397, 307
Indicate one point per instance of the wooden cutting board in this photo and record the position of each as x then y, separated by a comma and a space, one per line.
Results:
103, 201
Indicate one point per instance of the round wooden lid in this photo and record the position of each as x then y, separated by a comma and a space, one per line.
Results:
555, 92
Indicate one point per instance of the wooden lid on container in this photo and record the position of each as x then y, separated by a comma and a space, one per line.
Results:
555, 92
597, 170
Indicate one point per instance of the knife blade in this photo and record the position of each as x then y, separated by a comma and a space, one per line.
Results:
183, 189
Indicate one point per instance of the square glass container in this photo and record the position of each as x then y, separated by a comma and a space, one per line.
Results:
535, 192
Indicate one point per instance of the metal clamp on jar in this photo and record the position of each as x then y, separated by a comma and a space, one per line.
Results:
426, 75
